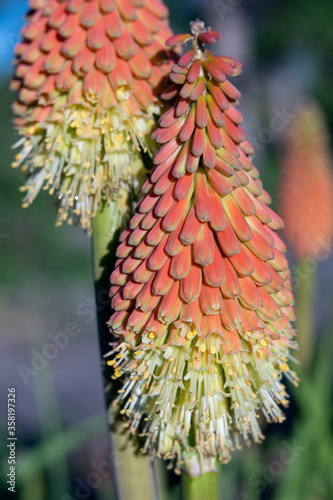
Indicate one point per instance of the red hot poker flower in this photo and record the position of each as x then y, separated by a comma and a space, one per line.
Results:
306, 188
201, 290
86, 74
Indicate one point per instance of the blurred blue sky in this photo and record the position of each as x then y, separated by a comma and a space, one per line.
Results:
11, 21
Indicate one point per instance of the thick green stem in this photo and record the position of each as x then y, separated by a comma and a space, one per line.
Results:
133, 473
305, 316
201, 487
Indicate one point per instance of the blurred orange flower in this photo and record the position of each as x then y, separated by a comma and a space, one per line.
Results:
306, 187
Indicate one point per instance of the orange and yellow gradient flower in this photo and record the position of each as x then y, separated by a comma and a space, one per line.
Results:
201, 290
306, 187
86, 76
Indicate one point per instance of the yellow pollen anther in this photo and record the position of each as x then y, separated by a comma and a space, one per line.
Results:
203, 347
145, 375
237, 387
263, 342
247, 381
191, 334
211, 370
284, 367
32, 130
110, 362
230, 372
152, 335
213, 349
121, 92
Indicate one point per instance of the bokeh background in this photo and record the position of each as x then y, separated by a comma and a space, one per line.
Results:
46, 284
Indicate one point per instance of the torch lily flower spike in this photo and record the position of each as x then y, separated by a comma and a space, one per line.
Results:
86, 74
201, 290
306, 188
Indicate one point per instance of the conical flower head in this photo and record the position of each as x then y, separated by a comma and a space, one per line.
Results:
306, 187
201, 290
86, 75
